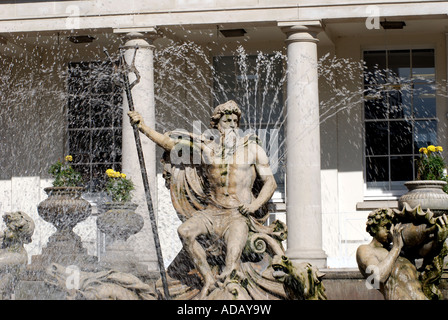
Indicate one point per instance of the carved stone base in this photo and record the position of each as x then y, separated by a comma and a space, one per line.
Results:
65, 248
37, 290
119, 256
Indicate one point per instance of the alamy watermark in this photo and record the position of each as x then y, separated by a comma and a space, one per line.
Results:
373, 280
72, 281
373, 17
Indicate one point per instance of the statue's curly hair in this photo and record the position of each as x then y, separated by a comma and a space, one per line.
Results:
21, 224
382, 215
229, 107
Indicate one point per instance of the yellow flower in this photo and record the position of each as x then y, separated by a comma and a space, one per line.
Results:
432, 148
69, 158
115, 174
439, 149
423, 150
110, 173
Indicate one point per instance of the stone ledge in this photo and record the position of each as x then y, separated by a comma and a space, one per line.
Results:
342, 273
349, 284
375, 204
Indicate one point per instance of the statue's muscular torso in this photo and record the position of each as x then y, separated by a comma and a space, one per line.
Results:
231, 176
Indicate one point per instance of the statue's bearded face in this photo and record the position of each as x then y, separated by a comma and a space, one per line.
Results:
228, 127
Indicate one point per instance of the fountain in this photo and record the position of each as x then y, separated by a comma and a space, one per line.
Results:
261, 270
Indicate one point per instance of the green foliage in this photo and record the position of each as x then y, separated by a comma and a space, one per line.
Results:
118, 186
64, 175
431, 165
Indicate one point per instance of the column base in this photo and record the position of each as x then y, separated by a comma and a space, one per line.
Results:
317, 258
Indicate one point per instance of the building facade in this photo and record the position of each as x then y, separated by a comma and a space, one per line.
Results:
344, 93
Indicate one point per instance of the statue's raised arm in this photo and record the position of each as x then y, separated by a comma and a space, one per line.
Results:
160, 139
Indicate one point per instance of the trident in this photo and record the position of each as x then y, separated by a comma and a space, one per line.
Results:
124, 70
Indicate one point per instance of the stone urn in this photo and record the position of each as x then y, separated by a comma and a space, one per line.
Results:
118, 221
64, 208
428, 194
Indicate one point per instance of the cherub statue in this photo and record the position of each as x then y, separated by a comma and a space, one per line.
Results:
13, 256
399, 239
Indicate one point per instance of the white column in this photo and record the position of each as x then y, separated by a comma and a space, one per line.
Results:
143, 98
303, 176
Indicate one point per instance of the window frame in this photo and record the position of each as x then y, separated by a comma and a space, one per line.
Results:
115, 130
372, 193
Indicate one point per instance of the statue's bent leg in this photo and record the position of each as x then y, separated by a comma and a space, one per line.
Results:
236, 238
188, 232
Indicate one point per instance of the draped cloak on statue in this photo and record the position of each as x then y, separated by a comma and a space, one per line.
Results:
188, 186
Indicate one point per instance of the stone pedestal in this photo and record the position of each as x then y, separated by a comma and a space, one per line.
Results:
303, 186
119, 221
64, 248
64, 208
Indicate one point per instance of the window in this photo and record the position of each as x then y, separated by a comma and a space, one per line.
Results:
399, 116
94, 121
256, 85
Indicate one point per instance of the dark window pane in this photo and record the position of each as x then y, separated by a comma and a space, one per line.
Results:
81, 158
399, 104
117, 109
78, 113
375, 104
424, 101
399, 62
102, 112
102, 79
102, 146
400, 137
377, 138
375, 62
377, 169
226, 71
425, 134
79, 141
401, 168
423, 64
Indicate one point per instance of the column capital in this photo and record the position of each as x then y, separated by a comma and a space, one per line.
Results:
143, 37
301, 31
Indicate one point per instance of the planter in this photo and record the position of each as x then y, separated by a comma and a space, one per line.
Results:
64, 208
119, 221
428, 194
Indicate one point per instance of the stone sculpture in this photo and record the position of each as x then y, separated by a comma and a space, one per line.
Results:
401, 238
301, 281
13, 256
220, 185
101, 285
